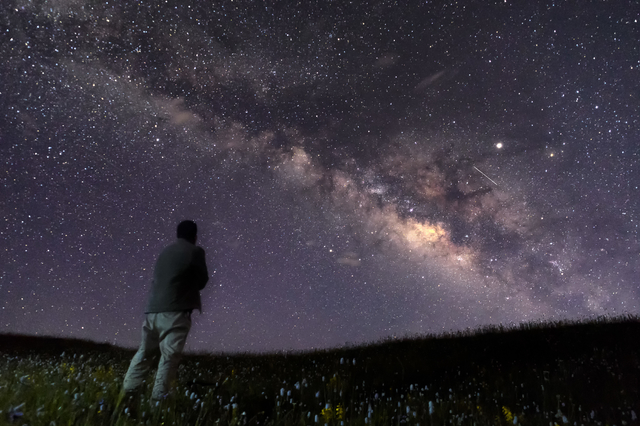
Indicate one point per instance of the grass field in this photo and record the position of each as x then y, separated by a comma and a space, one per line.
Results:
536, 374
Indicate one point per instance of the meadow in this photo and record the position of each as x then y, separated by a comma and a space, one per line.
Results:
534, 374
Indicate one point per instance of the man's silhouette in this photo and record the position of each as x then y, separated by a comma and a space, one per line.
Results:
179, 275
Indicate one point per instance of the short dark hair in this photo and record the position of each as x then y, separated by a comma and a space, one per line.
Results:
188, 230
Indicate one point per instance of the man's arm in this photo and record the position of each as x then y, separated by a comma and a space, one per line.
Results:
200, 272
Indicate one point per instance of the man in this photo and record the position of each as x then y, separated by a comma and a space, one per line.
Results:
179, 275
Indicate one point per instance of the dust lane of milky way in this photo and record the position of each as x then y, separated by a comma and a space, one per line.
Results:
357, 171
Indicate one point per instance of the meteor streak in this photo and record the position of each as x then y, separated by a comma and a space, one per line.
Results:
492, 181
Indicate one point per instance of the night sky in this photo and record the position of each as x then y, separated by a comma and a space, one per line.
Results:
357, 170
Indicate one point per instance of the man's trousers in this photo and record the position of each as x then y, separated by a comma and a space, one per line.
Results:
164, 333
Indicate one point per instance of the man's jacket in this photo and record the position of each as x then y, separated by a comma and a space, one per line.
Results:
179, 275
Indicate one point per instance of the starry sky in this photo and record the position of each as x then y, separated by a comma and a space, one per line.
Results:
357, 170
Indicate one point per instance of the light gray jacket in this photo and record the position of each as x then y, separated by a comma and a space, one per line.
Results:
180, 273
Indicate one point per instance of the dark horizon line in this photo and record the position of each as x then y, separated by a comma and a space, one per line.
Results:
496, 329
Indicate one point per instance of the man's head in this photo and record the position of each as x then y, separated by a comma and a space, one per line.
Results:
188, 230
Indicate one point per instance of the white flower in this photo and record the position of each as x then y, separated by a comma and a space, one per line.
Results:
14, 413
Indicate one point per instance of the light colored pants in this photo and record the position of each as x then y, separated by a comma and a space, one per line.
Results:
166, 333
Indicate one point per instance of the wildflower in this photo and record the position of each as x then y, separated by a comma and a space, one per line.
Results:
431, 407
340, 413
14, 414
508, 416
327, 414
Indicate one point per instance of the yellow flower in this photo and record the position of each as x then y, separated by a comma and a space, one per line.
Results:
339, 412
327, 414
103, 375
333, 383
507, 414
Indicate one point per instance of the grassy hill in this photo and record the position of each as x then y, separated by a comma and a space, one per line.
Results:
535, 374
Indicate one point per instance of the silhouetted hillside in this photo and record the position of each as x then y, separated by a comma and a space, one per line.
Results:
16, 344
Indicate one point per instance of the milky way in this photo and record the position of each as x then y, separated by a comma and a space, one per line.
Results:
357, 171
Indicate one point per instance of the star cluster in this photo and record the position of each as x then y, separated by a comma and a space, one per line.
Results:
357, 170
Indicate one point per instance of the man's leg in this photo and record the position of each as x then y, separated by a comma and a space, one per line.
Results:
174, 328
141, 361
